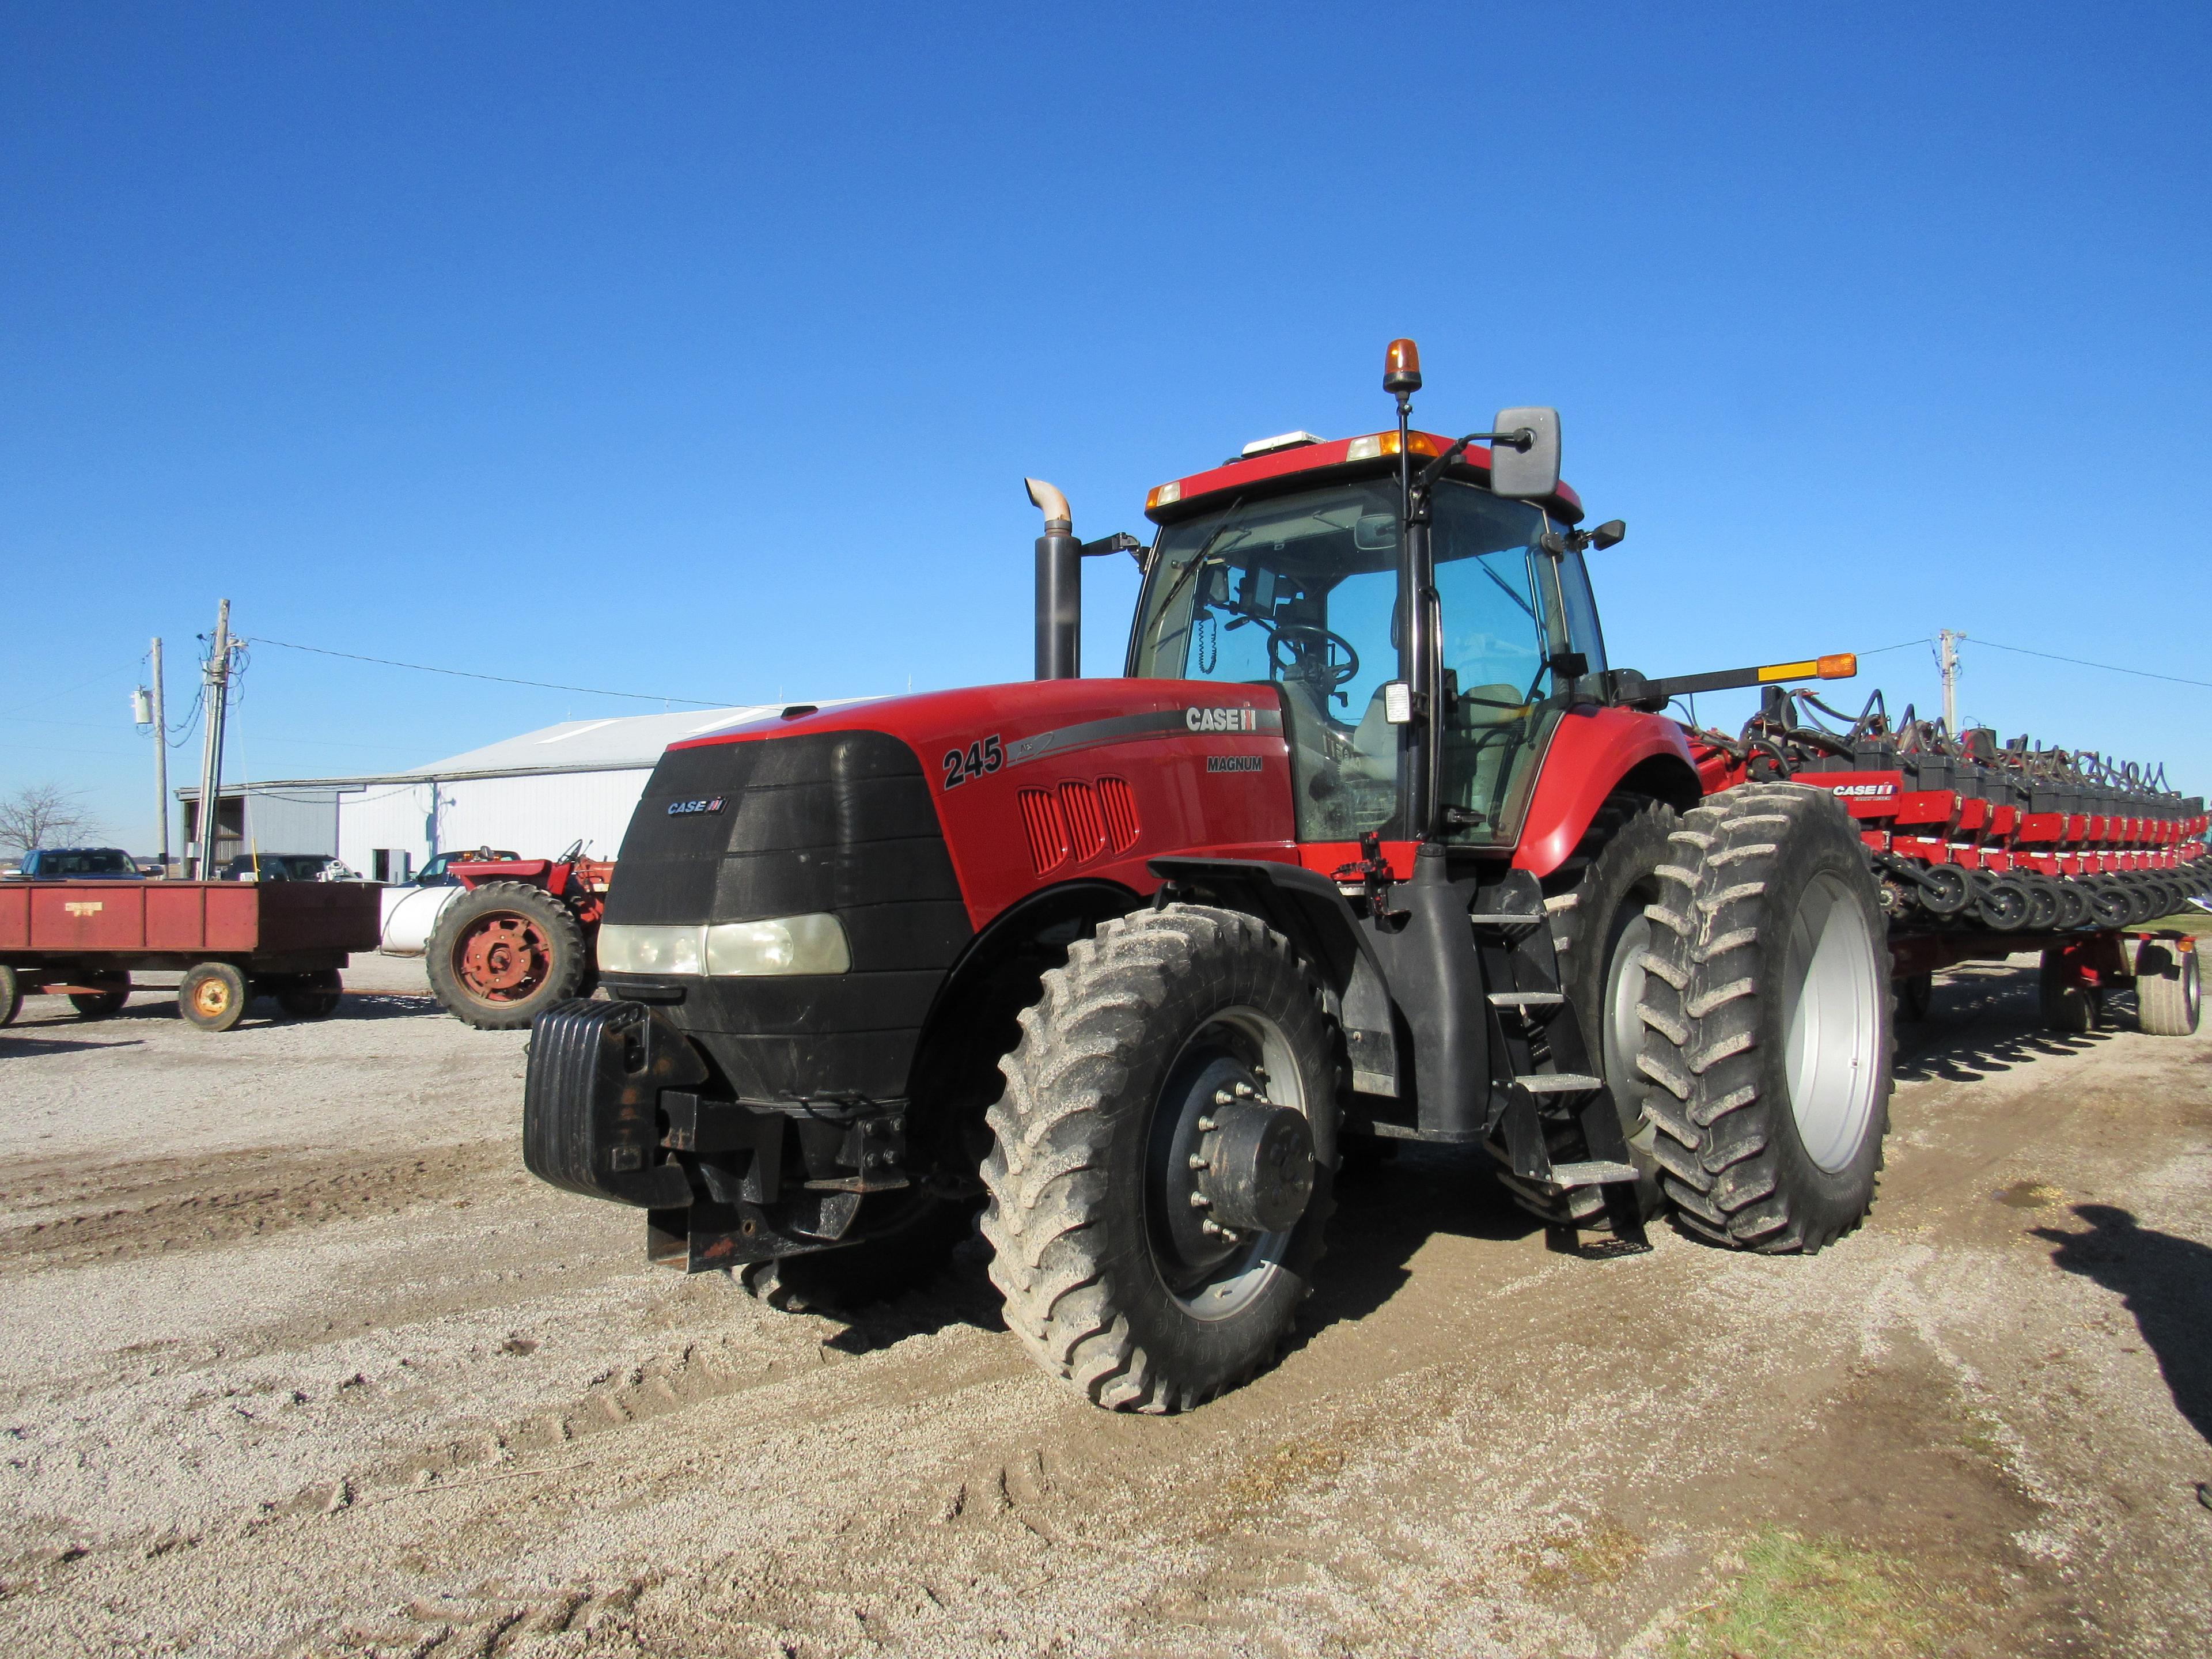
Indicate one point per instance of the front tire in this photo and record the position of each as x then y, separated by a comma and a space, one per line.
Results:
1770, 1006
503, 952
1164, 1035
104, 1004
213, 996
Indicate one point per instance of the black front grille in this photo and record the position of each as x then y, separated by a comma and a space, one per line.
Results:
841, 821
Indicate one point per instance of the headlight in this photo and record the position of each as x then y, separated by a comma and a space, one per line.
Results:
785, 944
788, 944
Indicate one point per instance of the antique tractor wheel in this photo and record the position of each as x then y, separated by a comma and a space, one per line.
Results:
502, 951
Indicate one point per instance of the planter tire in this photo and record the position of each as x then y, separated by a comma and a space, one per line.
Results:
2169, 995
503, 952
1769, 1002
213, 996
1165, 1035
2064, 1002
1600, 932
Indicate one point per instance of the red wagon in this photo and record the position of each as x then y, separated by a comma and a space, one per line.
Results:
231, 940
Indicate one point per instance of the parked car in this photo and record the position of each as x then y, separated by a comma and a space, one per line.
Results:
77, 864
283, 866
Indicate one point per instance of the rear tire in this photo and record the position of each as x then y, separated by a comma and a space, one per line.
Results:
503, 952
1109, 1275
2169, 998
1769, 1002
213, 996
11, 995
1600, 938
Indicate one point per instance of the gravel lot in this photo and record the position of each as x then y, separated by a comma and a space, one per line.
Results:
295, 1359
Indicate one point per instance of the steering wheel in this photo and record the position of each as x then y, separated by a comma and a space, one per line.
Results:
1336, 673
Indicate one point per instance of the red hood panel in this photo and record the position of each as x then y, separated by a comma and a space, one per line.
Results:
1043, 781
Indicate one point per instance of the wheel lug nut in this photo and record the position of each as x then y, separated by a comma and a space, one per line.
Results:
1200, 1201
1197, 1163
1206, 1125
1222, 1096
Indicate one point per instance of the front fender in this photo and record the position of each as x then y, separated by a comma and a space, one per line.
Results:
1595, 750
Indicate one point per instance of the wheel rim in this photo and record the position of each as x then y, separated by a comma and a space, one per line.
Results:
212, 999
503, 958
1208, 1278
1831, 1022
1623, 1037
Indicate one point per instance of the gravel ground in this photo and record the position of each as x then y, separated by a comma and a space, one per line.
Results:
295, 1359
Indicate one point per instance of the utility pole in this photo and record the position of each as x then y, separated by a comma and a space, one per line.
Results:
161, 756
217, 672
1947, 656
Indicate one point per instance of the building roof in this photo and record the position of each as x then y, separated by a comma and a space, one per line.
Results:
625, 743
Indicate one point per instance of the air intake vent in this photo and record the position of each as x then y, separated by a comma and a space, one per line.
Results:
1121, 803
1047, 831
1086, 824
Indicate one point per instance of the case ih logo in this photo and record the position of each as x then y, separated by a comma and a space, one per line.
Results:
678, 809
1863, 791
1222, 719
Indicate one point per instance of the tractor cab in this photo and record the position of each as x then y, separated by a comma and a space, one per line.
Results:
1294, 583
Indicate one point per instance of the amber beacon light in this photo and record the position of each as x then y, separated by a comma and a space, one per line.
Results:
1401, 368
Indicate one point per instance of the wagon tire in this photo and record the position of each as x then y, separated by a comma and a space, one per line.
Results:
1165, 1035
1600, 932
213, 996
501, 953
11, 995
2169, 996
101, 1005
316, 997
1769, 1002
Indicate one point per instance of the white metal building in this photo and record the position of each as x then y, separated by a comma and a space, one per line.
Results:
532, 794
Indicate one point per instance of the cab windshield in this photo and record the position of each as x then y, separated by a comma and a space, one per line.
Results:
1300, 593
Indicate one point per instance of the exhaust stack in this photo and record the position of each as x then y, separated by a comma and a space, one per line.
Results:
1059, 586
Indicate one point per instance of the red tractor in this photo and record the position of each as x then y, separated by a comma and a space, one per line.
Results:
521, 937
1367, 843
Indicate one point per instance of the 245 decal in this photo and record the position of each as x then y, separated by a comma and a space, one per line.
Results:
985, 755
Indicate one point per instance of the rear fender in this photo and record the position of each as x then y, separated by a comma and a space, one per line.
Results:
1309, 909
1595, 751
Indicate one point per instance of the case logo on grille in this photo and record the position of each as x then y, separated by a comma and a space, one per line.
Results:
678, 809
1222, 719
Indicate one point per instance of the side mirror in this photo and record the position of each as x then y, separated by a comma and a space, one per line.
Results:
1529, 470
1608, 534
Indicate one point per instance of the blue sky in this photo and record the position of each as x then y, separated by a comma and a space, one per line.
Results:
700, 350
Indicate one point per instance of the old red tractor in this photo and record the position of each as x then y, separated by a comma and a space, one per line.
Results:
521, 937
1368, 842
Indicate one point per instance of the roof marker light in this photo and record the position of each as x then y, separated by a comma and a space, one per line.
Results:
1166, 495
1281, 441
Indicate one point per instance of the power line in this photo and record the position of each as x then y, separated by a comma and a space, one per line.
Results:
501, 679
2083, 662
1900, 645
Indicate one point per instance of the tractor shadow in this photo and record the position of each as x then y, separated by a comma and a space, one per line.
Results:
1984, 1020
1388, 1209
17, 1042
2165, 1281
